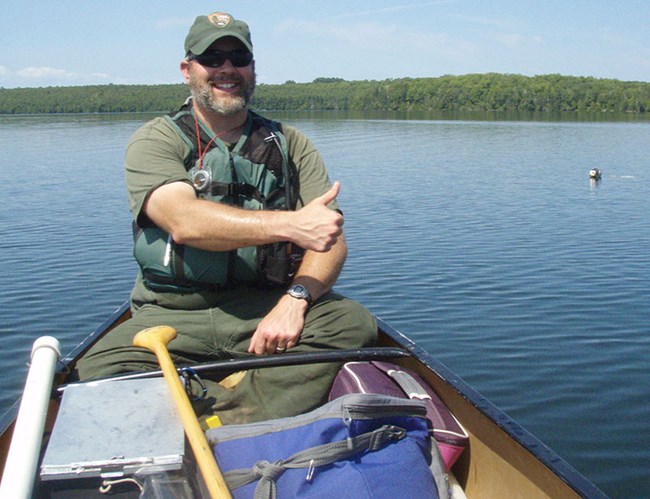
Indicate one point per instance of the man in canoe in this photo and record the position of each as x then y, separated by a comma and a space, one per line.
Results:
239, 240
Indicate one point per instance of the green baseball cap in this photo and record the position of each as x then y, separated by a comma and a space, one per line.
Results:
208, 29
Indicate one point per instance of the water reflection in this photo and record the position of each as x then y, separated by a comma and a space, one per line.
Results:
493, 116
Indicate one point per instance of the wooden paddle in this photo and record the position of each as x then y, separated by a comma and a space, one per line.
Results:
156, 340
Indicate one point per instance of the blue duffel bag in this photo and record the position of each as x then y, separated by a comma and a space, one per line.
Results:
357, 446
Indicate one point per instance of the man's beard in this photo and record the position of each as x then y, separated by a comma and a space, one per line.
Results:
223, 105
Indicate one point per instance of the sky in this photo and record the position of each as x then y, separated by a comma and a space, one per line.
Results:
85, 42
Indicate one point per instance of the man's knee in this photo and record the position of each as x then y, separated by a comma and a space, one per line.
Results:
114, 354
362, 322
342, 323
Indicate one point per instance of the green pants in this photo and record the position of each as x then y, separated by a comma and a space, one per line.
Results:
223, 332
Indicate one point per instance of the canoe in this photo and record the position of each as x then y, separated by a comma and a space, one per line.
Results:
502, 459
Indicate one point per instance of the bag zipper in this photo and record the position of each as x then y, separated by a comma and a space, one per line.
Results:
362, 411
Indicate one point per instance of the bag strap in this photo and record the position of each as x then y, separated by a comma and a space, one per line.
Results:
414, 390
409, 384
267, 473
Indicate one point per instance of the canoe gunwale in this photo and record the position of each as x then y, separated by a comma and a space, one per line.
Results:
558, 466
63, 367
67, 362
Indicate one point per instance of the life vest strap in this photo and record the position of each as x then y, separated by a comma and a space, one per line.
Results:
235, 189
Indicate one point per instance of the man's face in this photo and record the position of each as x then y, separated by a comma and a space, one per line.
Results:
225, 90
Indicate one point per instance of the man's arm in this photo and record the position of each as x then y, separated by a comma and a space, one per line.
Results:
214, 226
204, 224
282, 326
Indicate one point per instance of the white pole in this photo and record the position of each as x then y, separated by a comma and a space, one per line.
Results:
22, 460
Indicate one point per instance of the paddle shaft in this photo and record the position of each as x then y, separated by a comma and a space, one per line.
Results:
156, 339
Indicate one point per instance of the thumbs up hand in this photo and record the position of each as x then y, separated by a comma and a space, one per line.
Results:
315, 226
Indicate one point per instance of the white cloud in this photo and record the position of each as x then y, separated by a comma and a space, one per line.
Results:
389, 43
366, 36
43, 73
173, 23
498, 22
516, 40
393, 8
34, 76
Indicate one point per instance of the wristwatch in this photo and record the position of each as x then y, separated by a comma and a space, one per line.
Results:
300, 292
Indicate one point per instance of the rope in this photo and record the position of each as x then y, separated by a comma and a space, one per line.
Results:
105, 487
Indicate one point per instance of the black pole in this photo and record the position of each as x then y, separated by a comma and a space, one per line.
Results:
259, 362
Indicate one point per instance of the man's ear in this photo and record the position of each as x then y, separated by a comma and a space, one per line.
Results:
185, 69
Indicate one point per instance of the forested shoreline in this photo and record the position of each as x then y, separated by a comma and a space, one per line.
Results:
475, 92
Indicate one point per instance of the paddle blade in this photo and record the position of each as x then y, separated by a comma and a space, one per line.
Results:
153, 337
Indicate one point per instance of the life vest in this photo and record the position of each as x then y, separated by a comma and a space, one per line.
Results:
255, 175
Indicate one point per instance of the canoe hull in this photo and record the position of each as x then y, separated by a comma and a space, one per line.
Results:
501, 460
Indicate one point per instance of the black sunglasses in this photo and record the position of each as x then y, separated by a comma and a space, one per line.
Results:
216, 58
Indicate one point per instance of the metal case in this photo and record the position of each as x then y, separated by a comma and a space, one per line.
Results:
102, 431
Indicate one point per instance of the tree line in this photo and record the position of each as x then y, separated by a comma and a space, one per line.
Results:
474, 92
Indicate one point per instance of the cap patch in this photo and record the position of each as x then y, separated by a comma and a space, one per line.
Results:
220, 19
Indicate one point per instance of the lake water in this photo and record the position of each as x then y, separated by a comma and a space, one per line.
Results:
482, 239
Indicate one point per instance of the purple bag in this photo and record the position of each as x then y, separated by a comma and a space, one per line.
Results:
390, 379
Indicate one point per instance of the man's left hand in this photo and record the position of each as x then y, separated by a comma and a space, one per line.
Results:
280, 329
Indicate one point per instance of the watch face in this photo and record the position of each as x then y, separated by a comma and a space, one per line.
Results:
299, 291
